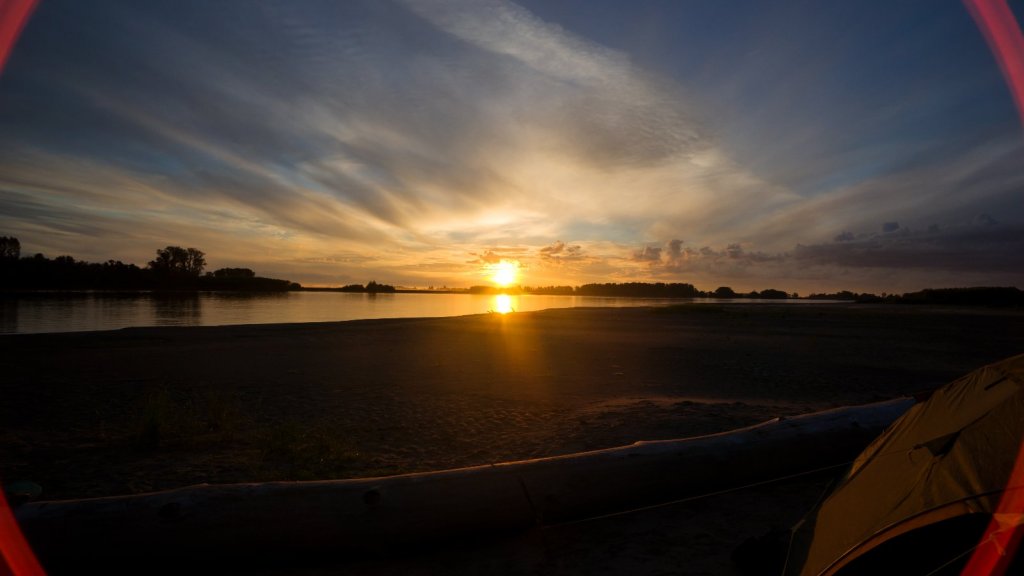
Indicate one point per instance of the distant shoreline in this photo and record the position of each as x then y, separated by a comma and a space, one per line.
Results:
991, 297
395, 291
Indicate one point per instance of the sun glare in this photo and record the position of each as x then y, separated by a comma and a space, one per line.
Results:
504, 273
503, 304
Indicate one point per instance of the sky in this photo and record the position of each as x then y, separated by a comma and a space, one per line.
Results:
804, 146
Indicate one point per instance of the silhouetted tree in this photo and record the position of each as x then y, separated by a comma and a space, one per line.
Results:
724, 292
373, 286
234, 273
10, 248
178, 261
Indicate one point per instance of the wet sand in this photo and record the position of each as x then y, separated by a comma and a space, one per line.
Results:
127, 411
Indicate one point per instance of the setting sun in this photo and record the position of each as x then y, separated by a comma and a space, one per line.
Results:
504, 273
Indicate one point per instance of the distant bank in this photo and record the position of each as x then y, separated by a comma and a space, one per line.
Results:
177, 269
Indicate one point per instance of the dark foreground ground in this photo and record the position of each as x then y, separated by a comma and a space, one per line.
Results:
90, 414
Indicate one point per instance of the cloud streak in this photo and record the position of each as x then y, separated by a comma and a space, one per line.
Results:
416, 141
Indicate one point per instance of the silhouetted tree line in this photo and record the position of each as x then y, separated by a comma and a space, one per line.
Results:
864, 297
174, 268
998, 297
234, 273
244, 284
65, 273
770, 294
640, 289
651, 290
976, 296
372, 287
494, 290
551, 290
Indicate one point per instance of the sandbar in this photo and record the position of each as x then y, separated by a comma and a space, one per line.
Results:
143, 409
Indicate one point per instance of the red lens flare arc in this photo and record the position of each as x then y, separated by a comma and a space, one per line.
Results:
1004, 37
16, 557
13, 17
999, 545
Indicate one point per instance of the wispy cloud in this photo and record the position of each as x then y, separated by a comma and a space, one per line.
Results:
416, 141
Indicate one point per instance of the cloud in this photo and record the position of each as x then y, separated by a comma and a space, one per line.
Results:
554, 249
648, 254
973, 247
398, 138
498, 254
674, 256
560, 253
981, 177
985, 220
517, 130
978, 250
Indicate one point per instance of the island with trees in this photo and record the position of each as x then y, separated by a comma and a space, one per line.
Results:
174, 268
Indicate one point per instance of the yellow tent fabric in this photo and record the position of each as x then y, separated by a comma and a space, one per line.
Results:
945, 458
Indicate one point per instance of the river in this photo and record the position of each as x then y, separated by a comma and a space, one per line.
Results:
86, 311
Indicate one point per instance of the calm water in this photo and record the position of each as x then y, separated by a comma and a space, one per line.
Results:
95, 311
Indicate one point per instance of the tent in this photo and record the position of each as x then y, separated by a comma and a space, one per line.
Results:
944, 484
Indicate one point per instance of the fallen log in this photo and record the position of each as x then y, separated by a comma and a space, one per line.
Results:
300, 518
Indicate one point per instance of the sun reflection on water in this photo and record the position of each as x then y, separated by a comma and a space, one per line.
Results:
503, 304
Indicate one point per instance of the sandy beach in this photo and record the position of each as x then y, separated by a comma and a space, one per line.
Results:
136, 410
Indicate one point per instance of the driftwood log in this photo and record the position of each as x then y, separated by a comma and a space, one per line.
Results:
352, 516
